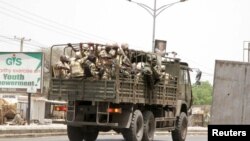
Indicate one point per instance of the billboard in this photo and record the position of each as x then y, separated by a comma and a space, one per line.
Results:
160, 47
20, 71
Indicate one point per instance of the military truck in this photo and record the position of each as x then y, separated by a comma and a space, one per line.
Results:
134, 105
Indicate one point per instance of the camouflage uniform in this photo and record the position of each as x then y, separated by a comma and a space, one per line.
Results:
164, 76
106, 63
123, 60
138, 71
114, 53
76, 68
63, 67
91, 67
151, 72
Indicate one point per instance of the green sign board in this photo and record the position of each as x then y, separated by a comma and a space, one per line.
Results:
20, 71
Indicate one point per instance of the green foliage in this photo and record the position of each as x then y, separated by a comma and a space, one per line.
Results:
202, 94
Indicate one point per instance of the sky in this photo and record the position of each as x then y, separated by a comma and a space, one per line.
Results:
200, 31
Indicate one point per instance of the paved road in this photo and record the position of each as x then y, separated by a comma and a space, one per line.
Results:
103, 138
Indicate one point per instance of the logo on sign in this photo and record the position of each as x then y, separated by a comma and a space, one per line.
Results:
14, 61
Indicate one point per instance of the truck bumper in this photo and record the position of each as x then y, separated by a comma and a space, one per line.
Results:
79, 124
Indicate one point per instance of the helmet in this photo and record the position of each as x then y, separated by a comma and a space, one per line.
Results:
124, 46
115, 45
85, 45
112, 52
163, 67
78, 55
64, 58
108, 48
92, 58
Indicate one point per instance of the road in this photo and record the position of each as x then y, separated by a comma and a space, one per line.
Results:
103, 138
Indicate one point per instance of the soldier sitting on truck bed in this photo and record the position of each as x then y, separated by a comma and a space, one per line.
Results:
123, 60
76, 69
147, 68
164, 76
105, 59
62, 68
90, 67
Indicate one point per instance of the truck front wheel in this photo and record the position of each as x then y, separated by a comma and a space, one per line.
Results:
135, 132
180, 132
75, 133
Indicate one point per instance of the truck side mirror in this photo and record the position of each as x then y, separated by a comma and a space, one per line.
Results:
198, 77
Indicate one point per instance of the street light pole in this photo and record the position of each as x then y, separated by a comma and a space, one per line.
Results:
154, 18
154, 12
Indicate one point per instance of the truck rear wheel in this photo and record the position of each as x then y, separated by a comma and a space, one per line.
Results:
180, 132
75, 133
135, 132
90, 133
149, 126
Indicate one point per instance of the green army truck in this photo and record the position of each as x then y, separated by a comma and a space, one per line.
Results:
133, 108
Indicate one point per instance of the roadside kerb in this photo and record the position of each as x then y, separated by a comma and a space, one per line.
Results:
60, 129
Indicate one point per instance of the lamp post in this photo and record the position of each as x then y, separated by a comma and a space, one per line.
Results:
154, 12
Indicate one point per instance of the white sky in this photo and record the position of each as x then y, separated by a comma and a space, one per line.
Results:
200, 31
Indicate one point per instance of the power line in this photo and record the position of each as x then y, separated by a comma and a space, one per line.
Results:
15, 43
6, 37
38, 24
54, 22
9, 42
38, 45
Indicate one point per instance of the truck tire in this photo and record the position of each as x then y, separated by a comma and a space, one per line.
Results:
75, 133
135, 132
180, 132
149, 126
90, 133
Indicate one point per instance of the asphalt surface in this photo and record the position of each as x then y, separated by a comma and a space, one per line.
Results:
60, 129
104, 138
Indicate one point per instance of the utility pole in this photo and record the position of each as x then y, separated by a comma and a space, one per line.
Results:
22, 39
154, 12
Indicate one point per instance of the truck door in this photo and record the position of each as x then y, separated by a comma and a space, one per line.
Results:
185, 86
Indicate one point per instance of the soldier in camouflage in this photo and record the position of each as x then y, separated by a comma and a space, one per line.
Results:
124, 61
63, 67
105, 59
91, 70
76, 63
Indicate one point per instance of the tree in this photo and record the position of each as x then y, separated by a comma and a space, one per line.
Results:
202, 94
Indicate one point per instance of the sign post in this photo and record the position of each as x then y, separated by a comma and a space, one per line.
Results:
29, 105
29, 91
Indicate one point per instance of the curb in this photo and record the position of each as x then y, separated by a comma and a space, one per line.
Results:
35, 131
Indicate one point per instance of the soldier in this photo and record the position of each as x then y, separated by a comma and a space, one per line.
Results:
124, 55
85, 50
76, 63
62, 67
105, 52
114, 53
91, 69
138, 71
105, 62
151, 71
124, 61
164, 77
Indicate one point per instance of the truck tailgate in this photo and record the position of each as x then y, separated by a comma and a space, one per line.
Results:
77, 89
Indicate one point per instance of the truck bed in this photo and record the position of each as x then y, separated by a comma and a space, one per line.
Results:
115, 91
